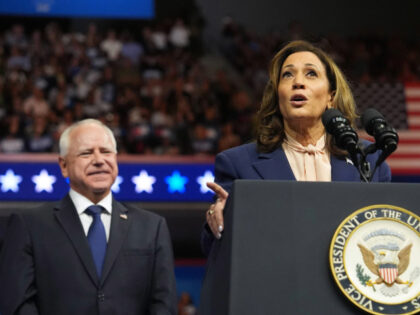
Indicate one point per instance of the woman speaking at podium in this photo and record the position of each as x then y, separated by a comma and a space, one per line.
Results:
291, 141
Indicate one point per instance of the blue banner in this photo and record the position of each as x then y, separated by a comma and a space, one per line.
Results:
135, 182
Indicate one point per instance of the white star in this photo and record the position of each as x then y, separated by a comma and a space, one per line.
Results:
202, 180
44, 181
143, 182
116, 186
10, 181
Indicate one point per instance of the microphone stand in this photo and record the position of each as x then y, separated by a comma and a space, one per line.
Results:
358, 155
364, 168
364, 165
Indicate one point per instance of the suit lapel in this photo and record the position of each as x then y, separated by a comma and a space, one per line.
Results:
67, 216
120, 223
343, 170
274, 165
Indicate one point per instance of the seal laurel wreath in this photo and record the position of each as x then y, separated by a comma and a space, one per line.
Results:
364, 278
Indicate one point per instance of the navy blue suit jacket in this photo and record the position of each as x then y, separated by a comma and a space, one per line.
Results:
46, 266
245, 162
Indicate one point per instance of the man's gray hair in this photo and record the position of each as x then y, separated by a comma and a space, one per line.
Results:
64, 143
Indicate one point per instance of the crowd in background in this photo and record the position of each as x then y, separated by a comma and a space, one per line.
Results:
364, 58
150, 89
150, 86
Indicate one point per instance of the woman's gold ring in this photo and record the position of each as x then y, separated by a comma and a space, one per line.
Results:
211, 211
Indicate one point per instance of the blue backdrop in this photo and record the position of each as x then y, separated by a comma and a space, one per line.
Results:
80, 8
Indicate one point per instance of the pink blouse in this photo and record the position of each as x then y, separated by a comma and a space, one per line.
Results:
308, 163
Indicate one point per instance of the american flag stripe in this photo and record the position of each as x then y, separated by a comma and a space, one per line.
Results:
412, 101
413, 107
406, 159
413, 122
412, 89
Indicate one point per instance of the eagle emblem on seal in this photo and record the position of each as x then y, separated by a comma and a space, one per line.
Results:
385, 257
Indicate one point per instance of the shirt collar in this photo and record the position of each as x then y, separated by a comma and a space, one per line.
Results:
82, 203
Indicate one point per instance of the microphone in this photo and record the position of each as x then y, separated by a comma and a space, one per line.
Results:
344, 135
386, 137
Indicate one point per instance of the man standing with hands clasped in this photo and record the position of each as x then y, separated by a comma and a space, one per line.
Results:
87, 254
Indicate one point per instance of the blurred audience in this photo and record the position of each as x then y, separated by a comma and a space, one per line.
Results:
364, 59
150, 87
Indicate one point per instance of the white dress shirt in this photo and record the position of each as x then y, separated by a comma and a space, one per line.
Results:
82, 203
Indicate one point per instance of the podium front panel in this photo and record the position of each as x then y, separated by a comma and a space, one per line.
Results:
273, 256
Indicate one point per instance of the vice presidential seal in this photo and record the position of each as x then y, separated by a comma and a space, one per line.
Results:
375, 259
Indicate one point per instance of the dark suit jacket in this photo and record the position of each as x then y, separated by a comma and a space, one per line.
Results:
245, 162
46, 266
